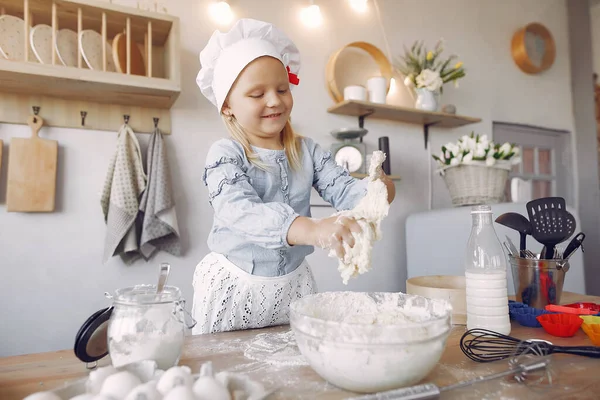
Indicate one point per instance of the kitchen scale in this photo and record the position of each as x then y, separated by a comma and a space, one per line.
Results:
351, 152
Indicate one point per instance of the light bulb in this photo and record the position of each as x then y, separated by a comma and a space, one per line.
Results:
359, 5
221, 12
311, 16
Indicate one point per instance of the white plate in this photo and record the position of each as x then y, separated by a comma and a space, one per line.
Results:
90, 43
40, 40
12, 41
66, 47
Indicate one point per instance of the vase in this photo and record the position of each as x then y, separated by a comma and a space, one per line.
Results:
426, 100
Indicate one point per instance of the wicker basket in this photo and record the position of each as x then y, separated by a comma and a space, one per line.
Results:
476, 182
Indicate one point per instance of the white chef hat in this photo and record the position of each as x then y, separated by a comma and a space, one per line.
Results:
227, 54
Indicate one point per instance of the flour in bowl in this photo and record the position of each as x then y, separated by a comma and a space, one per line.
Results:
369, 213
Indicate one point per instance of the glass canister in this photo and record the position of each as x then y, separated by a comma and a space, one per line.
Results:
146, 325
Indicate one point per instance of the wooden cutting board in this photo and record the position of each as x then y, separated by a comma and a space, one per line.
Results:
32, 172
119, 48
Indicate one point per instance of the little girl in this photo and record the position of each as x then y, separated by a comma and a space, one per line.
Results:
259, 184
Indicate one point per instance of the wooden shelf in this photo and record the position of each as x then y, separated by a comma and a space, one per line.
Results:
363, 109
392, 177
88, 85
105, 96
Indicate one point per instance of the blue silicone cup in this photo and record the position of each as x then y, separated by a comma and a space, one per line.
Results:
527, 316
513, 306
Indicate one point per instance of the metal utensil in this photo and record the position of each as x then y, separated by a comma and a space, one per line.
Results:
163, 276
573, 245
518, 367
510, 251
551, 222
520, 224
483, 345
513, 248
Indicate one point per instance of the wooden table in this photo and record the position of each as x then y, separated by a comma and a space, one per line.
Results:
575, 377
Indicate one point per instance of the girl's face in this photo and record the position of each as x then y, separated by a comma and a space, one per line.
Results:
261, 102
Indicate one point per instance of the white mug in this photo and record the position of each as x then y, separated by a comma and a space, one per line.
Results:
377, 87
355, 93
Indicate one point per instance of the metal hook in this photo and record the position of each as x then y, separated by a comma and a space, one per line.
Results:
83, 115
126, 118
155, 122
36, 110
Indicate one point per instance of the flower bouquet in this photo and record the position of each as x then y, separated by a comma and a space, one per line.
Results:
475, 169
426, 72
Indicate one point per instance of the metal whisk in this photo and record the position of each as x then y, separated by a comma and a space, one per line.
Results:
523, 368
483, 345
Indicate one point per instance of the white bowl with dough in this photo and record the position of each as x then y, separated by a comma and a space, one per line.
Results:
370, 342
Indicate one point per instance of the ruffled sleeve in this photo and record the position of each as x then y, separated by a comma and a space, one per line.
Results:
333, 183
236, 203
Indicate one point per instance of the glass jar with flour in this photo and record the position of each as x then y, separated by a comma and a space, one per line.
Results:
147, 325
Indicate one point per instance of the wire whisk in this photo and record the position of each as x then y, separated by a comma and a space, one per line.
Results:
483, 345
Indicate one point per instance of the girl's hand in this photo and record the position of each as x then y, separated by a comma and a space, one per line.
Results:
333, 232
327, 233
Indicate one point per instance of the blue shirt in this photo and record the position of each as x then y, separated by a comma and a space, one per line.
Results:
254, 208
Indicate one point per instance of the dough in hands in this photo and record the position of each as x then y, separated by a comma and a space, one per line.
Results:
368, 213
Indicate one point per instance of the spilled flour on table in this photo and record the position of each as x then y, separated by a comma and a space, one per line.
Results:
279, 349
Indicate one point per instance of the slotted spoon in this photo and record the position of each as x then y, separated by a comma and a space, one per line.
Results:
552, 223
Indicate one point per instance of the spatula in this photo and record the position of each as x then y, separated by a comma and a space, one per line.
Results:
552, 223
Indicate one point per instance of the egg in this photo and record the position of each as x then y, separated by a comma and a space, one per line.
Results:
42, 396
145, 391
97, 377
208, 388
119, 385
173, 377
85, 396
181, 393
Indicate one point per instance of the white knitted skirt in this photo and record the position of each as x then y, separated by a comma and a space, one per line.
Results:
226, 298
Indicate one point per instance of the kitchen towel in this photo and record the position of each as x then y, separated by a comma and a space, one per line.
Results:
159, 227
125, 182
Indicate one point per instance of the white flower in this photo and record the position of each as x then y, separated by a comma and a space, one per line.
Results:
516, 150
408, 81
429, 80
490, 161
468, 143
452, 148
505, 149
468, 157
480, 150
454, 162
442, 156
515, 160
448, 155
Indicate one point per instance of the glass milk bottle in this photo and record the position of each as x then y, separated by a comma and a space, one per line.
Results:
485, 272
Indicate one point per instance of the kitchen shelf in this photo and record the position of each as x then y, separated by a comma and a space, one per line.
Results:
392, 177
363, 109
64, 93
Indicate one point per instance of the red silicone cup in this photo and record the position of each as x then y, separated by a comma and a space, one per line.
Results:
585, 306
561, 325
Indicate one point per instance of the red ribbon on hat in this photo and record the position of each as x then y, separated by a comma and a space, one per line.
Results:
293, 78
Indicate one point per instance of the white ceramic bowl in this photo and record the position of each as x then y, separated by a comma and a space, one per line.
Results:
369, 342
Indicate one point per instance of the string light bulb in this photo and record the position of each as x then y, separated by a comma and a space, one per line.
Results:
359, 5
311, 15
221, 13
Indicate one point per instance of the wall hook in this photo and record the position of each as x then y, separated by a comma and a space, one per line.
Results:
155, 122
83, 115
36, 111
126, 118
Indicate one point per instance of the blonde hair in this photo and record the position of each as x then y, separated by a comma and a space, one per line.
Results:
289, 138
